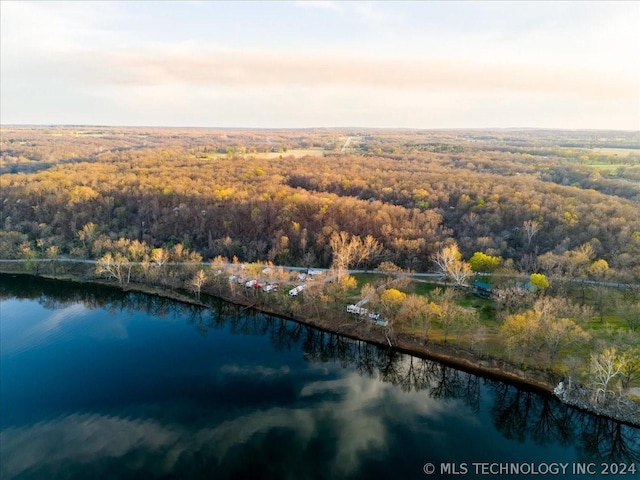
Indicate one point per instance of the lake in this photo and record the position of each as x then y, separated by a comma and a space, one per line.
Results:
97, 383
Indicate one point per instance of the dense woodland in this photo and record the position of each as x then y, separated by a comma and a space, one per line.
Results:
536, 199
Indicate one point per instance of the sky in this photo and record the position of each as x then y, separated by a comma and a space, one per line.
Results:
306, 64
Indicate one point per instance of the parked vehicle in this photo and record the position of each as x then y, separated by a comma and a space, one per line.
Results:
357, 310
295, 291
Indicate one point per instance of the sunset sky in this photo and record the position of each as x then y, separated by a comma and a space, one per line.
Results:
322, 64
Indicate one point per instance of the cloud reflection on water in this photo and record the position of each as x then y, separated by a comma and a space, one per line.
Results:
352, 407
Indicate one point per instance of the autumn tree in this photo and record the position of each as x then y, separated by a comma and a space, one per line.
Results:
116, 266
551, 323
450, 262
598, 269
520, 332
481, 262
339, 289
539, 281
391, 300
445, 310
604, 367
87, 235
350, 250
558, 333
415, 312
196, 283
369, 295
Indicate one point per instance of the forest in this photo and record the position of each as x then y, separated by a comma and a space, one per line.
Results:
533, 198
557, 208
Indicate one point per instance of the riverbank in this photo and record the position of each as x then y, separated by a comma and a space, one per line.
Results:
476, 362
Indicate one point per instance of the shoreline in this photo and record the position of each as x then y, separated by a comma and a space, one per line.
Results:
541, 381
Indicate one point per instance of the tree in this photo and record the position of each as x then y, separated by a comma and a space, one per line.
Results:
196, 283
415, 312
449, 259
115, 266
600, 293
27, 252
445, 309
631, 313
338, 290
159, 256
52, 255
481, 262
390, 269
445, 257
86, 235
521, 332
530, 228
630, 370
605, 366
539, 280
369, 295
558, 333
350, 250
550, 323
390, 302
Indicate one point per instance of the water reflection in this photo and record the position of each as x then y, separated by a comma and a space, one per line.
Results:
320, 421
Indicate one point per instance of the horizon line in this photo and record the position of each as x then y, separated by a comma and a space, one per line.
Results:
195, 127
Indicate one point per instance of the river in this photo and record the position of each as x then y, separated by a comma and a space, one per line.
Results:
97, 383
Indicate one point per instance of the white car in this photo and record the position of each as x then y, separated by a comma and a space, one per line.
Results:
250, 283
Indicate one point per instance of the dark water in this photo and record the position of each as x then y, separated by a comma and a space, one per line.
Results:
100, 384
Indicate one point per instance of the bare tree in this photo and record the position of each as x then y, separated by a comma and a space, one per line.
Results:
115, 266
159, 256
196, 283
445, 257
605, 366
530, 228
350, 250
560, 333
449, 260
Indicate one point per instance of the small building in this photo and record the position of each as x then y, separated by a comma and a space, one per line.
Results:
482, 289
526, 287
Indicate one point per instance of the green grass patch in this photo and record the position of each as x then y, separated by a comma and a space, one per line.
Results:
420, 287
365, 278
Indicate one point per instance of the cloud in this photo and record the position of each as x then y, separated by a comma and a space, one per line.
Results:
564, 66
255, 370
42, 332
257, 69
320, 5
